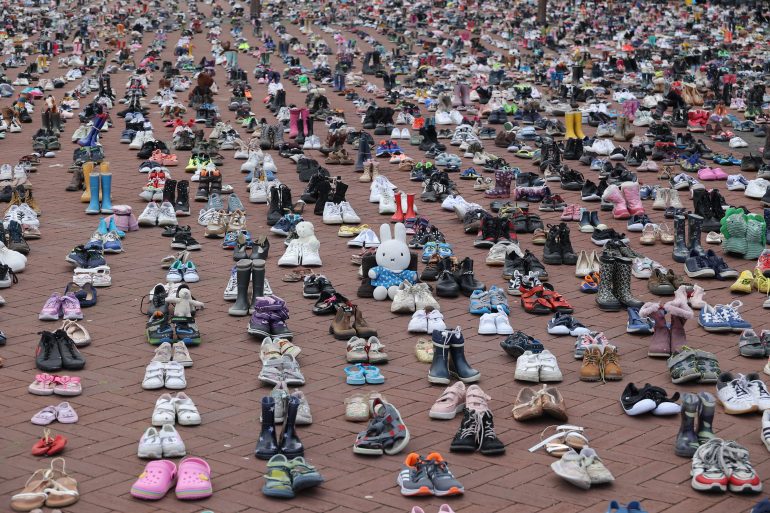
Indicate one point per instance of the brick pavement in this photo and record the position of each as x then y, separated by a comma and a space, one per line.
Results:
114, 410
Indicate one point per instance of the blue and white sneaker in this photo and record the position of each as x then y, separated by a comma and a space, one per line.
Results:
480, 302
736, 183
430, 249
733, 317
711, 319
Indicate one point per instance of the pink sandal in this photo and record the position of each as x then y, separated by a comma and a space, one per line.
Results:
156, 480
194, 480
67, 386
43, 385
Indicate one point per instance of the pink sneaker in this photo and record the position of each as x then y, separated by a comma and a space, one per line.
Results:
51, 308
156, 480
70, 306
194, 480
450, 403
569, 212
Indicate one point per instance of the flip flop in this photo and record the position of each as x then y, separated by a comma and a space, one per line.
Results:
372, 374
355, 375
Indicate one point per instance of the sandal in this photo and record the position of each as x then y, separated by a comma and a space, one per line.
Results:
533, 302
194, 479
566, 438
33, 494
386, 432
43, 385
556, 300
44, 416
278, 478
372, 374
67, 386
63, 489
355, 375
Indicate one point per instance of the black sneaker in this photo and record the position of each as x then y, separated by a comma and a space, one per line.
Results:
78, 256
71, 357
48, 357
535, 266
602, 237
519, 342
590, 192
571, 180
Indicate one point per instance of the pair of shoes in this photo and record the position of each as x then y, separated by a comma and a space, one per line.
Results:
583, 342
518, 343
723, 318
177, 352
742, 394
281, 368
163, 443
496, 323
720, 465
193, 480
386, 433
648, 399
51, 487
57, 306
539, 367
270, 312
426, 321
159, 375
543, 300
57, 351
158, 215
582, 469
428, 476
564, 324
63, 412
533, 404
186, 272
691, 365
601, 363
360, 350
363, 373
48, 445
411, 297
285, 477
280, 395
47, 384
449, 347
350, 322
485, 302
181, 409
477, 429
667, 338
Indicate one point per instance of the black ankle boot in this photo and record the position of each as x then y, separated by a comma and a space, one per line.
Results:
460, 365
267, 445
552, 249
182, 203
466, 280
439, 368
568, 256
323, 189
243, 275
290, 445
446, 285
169, 191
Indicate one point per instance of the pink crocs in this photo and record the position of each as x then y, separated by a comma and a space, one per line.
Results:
194, 480
156, 480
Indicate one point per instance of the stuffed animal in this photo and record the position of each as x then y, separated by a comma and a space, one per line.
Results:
306, 232
184, 304
393, 258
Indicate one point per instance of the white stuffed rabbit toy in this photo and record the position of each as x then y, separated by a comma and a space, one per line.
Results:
393, 258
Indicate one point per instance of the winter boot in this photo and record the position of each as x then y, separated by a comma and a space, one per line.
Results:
552, 250
680, 311
182, 204
88, 168
290, 444
621, 283
459, 365
680, 252
568, 256
605, 297
106, 184
630, 192
93, 206
686, 442
267, 445
694, 224
660, 342
243, 276
439, 368
614, 195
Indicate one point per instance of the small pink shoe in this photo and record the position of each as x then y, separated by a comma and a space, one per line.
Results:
44, 384
450, 403
52, 308
445, 509
156, 480
70, 306
719, 174
194, 481
569, 212
707, 173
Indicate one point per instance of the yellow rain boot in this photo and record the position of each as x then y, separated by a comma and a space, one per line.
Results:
104, 168
577, 124
88, 168
570, 133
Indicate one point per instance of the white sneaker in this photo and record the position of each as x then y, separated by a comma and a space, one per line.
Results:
332, 213
171, 442
150, 445
435, 321
418, 323
736, 183
549, 367
366, 239
153, 376
174, 379
291, 257
758, 391
186, 412
310, 253
527, 367
348, 214
150, 215
734, 395
487, 324
496, 255
167, 214
205, 215
387, 201
502, 324
164, 412
258, 191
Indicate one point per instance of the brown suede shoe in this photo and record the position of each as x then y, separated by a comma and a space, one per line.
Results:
553, 403
591, 370
342, 325
611, 364
528, 405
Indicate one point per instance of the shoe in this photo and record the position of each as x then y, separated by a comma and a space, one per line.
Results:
734, 395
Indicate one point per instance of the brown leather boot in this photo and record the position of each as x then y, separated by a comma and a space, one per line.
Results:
359, 324
77, 180
342, 325
590, 370
611, 364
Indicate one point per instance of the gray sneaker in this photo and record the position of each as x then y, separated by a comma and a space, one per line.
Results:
444, 482
234, 203
750, 345
414, 479
215, 202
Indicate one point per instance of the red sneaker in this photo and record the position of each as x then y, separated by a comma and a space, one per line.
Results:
763, 263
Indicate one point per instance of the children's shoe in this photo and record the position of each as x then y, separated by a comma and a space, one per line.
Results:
156, 480
194, 480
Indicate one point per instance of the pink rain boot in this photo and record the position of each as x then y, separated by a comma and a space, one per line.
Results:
660, 341
613, 195
293, 117
680, 311
630, 192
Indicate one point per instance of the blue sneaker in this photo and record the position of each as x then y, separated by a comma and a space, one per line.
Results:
445, 250
469, 174
632, 507
112, 243
430, 249
480, 302
730, 314
711, 319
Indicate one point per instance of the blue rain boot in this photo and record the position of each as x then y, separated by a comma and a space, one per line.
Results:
93, 206
102, 228
106, 190
114, 228
91, 138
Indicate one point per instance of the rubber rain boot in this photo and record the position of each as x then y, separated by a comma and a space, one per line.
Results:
243, 276
459, 365
257, 281
290, 444
88, 168
680, 251
439, 368
569, 118
686, 441
267, 445
105, 193
93, 206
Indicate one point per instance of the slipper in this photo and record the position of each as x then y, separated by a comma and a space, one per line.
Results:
355, 375
372, 374
156, 480
194, 480
66, 414
44, 416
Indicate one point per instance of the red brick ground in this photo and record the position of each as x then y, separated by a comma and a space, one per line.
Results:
114, 410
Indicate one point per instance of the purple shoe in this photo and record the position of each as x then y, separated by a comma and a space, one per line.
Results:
52, 308
70, 306
259, 324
